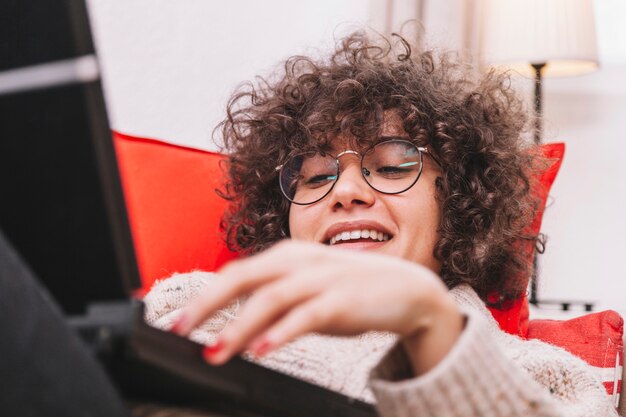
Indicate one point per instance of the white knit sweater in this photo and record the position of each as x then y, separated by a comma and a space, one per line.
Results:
487, 373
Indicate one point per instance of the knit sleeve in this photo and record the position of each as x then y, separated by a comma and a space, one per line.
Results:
480, 377
166, 299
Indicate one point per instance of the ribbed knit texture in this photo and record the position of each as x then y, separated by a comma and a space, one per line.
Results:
487, 372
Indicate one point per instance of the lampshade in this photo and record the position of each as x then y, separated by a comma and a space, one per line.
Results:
560, 33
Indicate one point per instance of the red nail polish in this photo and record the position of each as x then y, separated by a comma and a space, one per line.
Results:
212, 350
262, 348
177, 327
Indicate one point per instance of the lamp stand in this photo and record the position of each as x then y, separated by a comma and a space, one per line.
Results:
537, 136
538, 99
534, 279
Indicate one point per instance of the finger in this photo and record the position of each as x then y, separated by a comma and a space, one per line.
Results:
239, 278
262, 310
319, 314
217, 294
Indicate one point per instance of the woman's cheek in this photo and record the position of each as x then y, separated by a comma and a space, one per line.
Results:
298, 223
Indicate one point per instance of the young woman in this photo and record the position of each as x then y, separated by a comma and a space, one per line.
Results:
422, 172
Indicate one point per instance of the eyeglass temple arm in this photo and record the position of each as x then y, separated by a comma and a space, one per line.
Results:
425, 150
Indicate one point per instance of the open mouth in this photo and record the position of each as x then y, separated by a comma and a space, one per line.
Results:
354, 236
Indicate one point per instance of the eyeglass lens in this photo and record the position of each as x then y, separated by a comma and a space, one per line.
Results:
390, 167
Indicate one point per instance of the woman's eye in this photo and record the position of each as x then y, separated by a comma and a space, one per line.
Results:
319, 180
391, 170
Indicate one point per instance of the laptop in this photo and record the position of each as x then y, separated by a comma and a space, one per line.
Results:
62, 208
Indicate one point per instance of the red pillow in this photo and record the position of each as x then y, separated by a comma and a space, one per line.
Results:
595, 338
173, 210
514, 318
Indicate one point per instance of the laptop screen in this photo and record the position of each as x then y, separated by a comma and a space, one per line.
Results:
61, 203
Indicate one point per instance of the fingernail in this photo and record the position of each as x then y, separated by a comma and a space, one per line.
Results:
179, 324
262, 348
210, 351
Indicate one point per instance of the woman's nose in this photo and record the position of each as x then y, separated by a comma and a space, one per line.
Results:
351, 189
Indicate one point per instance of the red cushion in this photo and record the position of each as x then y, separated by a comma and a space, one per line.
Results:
597, 338
173, 209
514, 318
553, 152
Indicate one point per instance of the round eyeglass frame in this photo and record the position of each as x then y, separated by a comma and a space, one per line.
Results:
420, 150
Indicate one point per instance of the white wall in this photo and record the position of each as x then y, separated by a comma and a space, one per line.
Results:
169, 66
586, 223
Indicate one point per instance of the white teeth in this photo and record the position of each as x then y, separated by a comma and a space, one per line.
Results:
360, 234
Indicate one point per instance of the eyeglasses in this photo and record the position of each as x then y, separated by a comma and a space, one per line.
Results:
389, 167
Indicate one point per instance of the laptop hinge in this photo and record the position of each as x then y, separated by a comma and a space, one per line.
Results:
106, 326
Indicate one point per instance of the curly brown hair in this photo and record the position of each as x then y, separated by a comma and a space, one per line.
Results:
473, 127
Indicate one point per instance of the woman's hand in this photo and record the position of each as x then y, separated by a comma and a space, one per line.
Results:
299, 288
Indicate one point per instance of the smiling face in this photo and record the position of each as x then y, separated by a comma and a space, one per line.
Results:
355, 216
